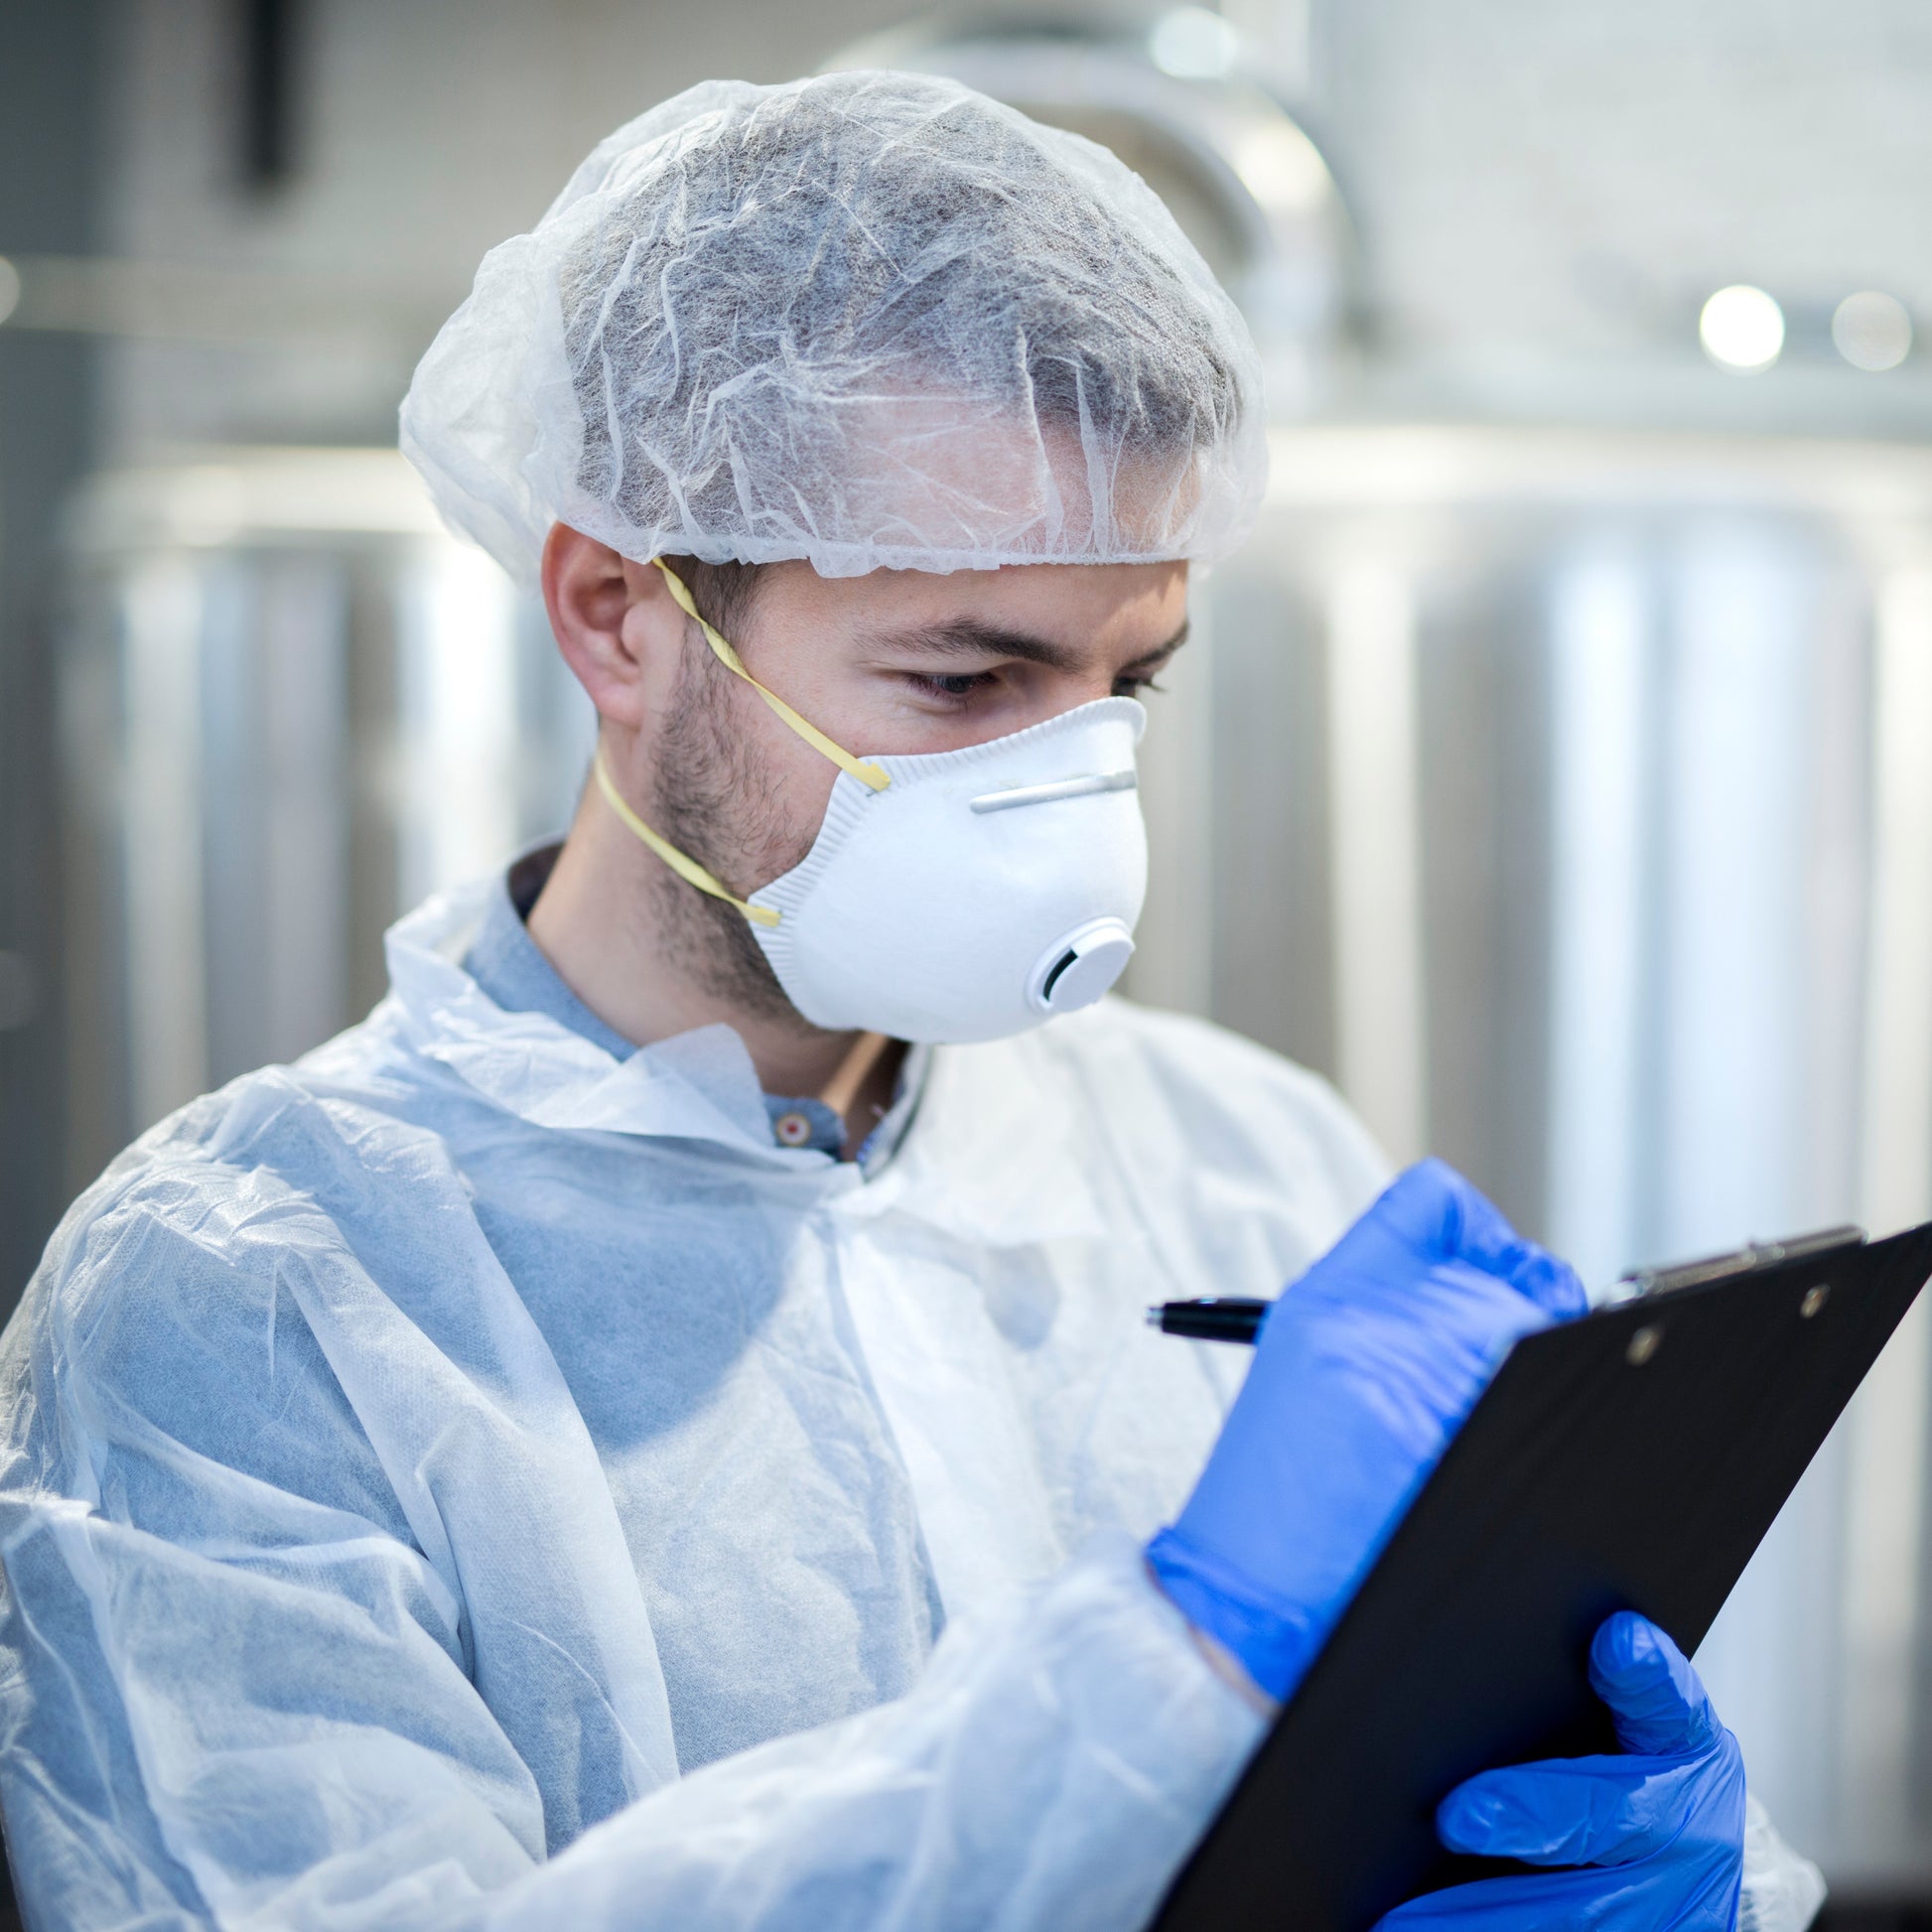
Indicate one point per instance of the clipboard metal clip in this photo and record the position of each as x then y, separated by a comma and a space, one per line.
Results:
1740, 1261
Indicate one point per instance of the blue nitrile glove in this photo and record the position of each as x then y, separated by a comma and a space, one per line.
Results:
1365, 1368
1656, 1837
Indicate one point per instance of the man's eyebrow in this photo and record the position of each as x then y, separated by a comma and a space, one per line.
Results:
967, 638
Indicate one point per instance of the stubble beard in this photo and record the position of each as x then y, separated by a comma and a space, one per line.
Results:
715, 801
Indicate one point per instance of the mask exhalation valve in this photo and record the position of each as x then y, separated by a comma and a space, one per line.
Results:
1076, 970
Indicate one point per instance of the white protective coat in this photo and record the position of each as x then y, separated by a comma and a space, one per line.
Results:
421, 1455
421, 1462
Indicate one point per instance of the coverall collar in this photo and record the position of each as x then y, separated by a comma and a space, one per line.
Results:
698, 1085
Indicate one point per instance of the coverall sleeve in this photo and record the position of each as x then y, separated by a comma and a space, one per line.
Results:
234, 1691
1054, 1767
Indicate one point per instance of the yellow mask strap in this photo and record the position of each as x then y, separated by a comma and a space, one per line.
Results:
687, 869
869, 775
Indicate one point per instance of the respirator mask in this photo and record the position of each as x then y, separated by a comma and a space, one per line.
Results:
950, 897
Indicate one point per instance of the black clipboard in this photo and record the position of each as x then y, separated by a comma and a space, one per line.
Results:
1632, 1460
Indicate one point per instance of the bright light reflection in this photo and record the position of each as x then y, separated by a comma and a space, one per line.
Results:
1873, 330
9, 288
1281, 165
1192, 44
1741, 329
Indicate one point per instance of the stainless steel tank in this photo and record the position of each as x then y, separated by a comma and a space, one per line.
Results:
292, 704
1568, 799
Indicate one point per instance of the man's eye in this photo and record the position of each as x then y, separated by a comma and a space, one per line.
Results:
953, 686
1128, 685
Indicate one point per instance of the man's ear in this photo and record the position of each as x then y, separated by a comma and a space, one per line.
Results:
615, 623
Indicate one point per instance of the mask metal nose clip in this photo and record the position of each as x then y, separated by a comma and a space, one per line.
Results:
1083, 787
1074, 971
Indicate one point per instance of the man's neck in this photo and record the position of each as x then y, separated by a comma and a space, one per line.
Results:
597, 922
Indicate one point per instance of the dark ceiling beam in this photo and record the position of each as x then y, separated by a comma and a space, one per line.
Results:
270, 55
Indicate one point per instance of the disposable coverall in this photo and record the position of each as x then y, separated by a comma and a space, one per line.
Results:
422, 1459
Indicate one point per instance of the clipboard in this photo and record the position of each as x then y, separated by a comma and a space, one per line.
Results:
1631, 1459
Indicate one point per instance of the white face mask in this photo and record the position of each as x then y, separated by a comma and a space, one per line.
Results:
958, 896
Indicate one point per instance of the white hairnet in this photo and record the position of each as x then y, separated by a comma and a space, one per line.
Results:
866, 320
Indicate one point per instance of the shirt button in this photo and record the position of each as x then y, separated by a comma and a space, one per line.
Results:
792, 1130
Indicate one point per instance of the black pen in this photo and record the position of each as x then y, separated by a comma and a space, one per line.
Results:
1215, 1318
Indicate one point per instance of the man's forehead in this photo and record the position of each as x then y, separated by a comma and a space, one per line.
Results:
1068, 604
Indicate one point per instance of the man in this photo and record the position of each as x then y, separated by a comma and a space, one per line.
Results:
515, 1466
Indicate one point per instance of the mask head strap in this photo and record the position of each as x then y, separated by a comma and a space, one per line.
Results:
686, 867
870, 775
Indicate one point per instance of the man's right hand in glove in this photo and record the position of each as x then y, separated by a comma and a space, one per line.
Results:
1364, 1369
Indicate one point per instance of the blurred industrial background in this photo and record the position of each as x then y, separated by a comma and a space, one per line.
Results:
1553, 769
